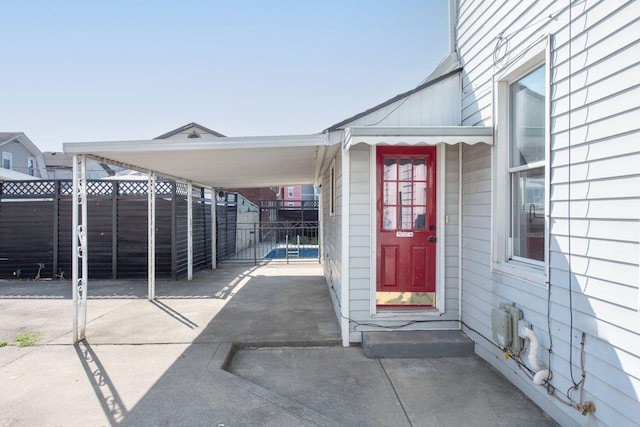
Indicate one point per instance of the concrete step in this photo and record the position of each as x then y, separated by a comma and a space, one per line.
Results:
417, 344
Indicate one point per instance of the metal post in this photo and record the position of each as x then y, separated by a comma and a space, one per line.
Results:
151, 240
286, 245
214, 238
80, 255
189, 230
255, 243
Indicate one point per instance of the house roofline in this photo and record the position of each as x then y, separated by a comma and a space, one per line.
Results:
187, 126
393, 100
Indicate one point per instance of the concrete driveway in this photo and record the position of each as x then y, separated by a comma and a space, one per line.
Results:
236, 346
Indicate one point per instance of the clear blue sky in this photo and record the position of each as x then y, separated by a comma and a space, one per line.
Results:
117, 70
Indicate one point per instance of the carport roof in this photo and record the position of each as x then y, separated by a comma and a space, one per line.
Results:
237, 162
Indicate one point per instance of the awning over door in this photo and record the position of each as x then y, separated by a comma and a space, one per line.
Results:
417, 135
237, 162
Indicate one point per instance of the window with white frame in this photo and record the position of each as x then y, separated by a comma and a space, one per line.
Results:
31, 166
527, 164
7, 160
332, 188
522, 166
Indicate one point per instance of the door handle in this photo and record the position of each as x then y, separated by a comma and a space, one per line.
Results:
432, 238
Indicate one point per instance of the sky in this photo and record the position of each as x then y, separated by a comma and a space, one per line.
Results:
80, 71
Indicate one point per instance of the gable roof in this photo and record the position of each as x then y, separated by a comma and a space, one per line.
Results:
22, 138
8, 136
186, 127
393, 100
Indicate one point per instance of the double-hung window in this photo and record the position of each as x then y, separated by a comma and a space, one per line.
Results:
7, 160
521, 169
31, 166
527, 166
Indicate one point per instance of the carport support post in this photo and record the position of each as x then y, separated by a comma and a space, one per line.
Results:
344, 211
80, 254
214, 239
151, 243
189, 230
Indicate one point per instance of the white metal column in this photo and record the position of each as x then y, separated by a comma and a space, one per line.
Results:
345, 285
80, 255
151, 241
214, 239
189, 230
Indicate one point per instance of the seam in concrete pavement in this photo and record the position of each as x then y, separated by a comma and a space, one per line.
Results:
220, 361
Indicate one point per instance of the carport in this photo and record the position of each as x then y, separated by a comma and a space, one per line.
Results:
237, 162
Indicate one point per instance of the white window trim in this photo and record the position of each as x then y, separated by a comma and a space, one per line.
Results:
332, 188
7, 155
502, 261
35, 165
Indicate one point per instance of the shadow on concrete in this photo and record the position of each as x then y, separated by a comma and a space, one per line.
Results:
104, 389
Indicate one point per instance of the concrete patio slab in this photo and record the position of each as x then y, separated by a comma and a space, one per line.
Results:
151, 363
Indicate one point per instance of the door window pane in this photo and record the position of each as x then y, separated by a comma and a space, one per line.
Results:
405, 217
405, 170
390, 193
406, 195
420, 169
390, 169
420, 193
390, 216
419, 218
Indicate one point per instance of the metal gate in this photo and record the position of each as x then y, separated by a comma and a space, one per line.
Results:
270, 241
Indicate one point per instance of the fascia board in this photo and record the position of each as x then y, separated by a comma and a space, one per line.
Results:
202, 144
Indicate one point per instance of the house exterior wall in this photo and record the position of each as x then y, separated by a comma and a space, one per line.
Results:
419, 109
591, 283
436, 105
362, 252
20, 156
331, 239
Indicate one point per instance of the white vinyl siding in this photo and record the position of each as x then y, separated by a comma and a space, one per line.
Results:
594, 195
331, 232
436, 105
362, 226
360, 231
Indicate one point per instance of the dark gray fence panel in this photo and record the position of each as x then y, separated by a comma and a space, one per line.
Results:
35, 227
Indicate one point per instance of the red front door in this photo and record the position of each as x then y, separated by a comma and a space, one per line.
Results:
406, 226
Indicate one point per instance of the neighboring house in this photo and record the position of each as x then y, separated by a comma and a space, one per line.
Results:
190, 131
60, 165
292, 195
508, 177
195, 130
21, 159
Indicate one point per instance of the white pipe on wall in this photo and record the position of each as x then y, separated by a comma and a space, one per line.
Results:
542, 373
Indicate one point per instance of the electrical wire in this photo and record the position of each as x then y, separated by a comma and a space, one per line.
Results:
406, 98
569, 249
